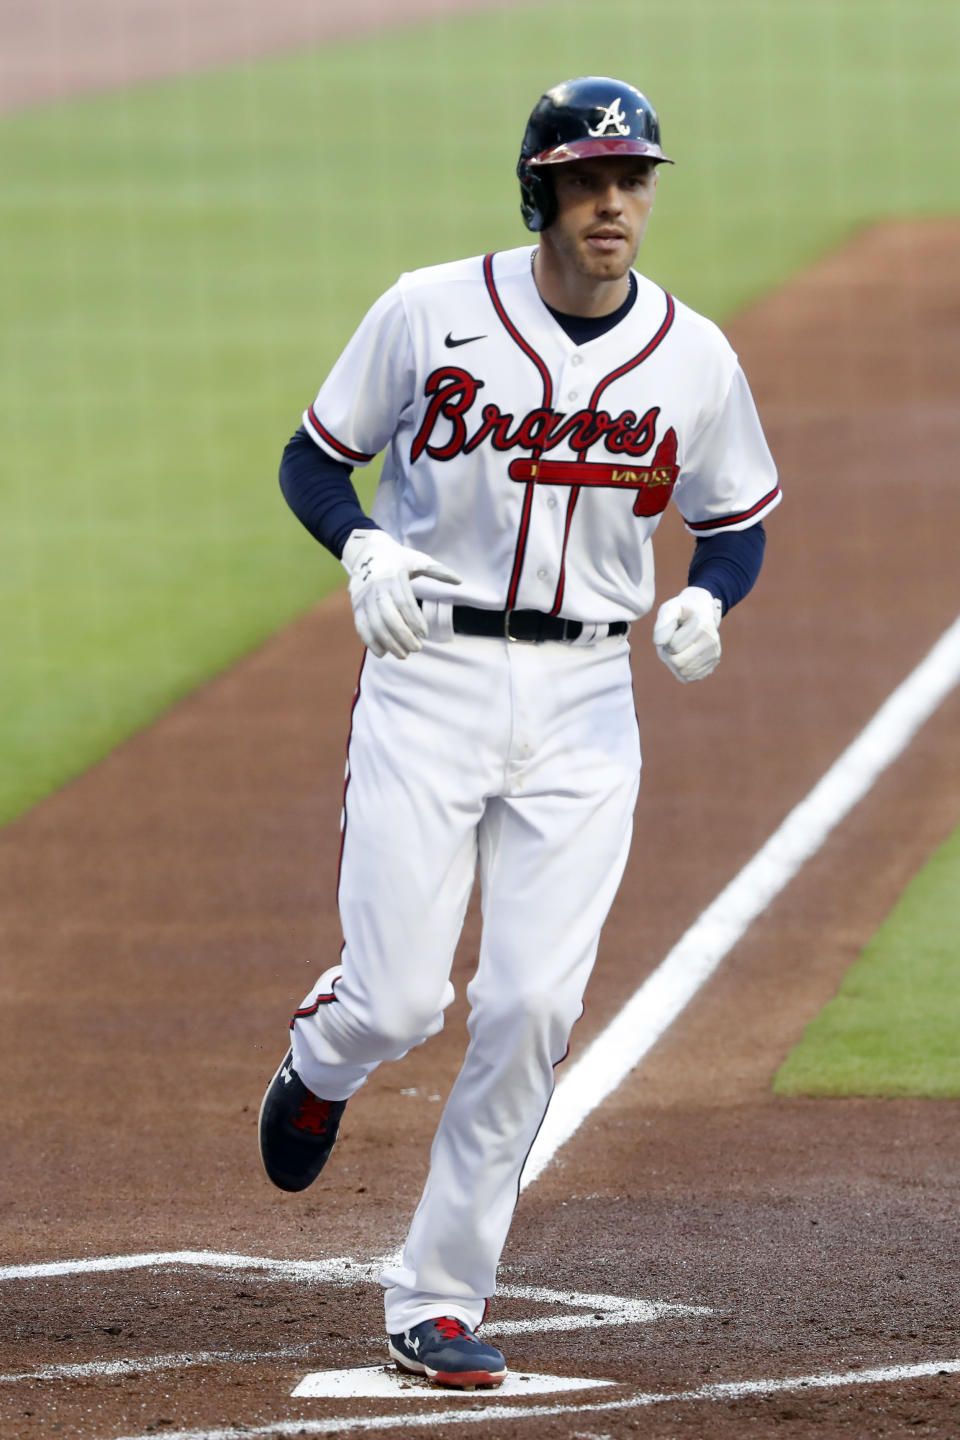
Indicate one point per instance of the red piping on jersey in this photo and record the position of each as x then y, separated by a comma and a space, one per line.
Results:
734, 519
547, 1106
346, 777
514, 333
538, 361
357, 456
572, 499
309, 1010
638, 359
521, 545
328, 999
574, 496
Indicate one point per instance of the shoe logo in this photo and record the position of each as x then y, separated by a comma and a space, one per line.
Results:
287, 1074
452, 344
412, 1344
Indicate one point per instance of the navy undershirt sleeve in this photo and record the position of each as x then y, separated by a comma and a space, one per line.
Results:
320, 493
728, 564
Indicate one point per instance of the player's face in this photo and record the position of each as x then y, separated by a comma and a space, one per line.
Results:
603, 206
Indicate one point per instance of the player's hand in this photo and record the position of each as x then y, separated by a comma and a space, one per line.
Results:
686, 633
385, 610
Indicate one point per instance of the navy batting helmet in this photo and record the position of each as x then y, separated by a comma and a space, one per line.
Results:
576, 120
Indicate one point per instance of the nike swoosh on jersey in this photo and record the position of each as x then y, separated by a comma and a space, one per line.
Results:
452, 344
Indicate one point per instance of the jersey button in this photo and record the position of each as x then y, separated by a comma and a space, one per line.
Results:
551, 502
572, 394
541, 574
576, 359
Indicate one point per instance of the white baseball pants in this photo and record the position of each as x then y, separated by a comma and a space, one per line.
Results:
525, 759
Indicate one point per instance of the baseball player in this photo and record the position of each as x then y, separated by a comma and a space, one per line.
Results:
539, 408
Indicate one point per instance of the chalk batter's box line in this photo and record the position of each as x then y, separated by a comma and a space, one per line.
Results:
591, 1310
724, 1391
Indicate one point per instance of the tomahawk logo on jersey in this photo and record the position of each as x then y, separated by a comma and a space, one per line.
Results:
539, 470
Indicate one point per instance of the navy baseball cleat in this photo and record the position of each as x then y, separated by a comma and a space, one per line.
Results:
297, 1129
448, 1353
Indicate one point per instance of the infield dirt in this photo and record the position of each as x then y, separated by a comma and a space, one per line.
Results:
162, 915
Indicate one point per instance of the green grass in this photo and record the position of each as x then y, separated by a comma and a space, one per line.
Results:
894, 1026
180, 263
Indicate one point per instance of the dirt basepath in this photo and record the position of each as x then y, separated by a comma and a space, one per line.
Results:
161, 915
53, 48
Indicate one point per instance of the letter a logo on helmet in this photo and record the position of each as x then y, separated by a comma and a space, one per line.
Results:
614, 122
581, 119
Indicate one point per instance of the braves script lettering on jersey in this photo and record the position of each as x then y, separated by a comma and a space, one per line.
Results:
534, 468
561, 536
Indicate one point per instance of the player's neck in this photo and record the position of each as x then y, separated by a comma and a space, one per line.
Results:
572, 293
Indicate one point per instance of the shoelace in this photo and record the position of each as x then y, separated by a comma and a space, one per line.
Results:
313, 1115
451, 1328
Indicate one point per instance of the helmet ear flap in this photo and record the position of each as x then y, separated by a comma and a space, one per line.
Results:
538, 203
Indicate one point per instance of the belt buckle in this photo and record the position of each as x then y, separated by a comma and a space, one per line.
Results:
506, 628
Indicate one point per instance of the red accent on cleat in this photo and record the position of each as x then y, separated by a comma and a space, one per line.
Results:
313, 1115
450, 1327
465, 1379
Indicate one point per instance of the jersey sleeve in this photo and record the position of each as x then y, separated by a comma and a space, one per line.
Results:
359, 405
728, 480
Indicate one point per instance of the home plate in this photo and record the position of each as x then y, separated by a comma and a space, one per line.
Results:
381, 1382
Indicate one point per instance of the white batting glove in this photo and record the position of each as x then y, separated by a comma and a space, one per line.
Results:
385, 610
686, 633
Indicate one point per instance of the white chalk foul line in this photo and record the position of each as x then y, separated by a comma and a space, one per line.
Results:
485, 1413
338, 1270
149, 1364
665, 993
624, 1043
602, 1310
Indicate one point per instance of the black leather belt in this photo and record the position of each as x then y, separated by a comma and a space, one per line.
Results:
521, 624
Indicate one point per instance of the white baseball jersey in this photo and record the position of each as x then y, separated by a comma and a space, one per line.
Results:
536, 468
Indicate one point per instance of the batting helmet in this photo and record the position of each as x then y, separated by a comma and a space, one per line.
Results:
577, 119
